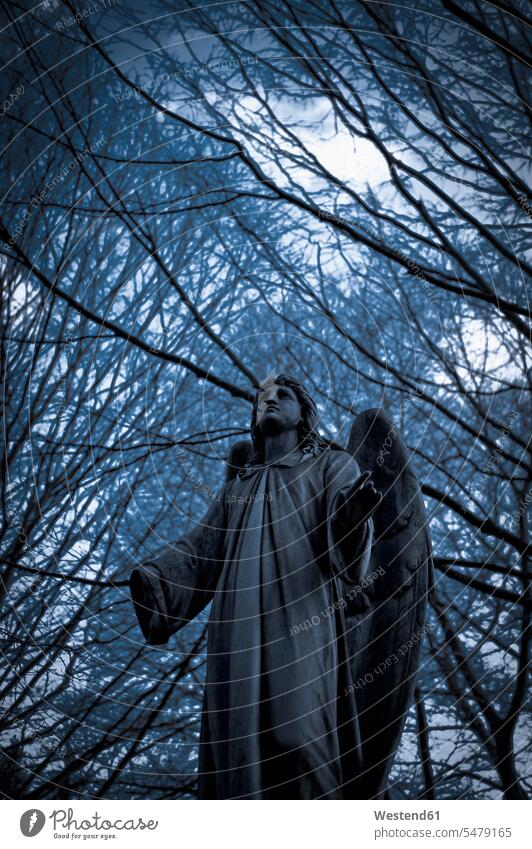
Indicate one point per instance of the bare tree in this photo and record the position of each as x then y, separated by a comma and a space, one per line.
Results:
193, 198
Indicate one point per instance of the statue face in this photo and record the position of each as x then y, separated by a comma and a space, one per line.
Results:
278, 408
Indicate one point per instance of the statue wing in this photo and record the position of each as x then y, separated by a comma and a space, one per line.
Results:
384, 639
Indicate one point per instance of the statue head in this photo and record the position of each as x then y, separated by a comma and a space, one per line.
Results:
283, 403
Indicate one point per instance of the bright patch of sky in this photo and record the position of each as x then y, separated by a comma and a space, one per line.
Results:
492, 343
355, 161
490, 349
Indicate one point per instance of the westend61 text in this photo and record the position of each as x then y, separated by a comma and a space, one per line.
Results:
407, 815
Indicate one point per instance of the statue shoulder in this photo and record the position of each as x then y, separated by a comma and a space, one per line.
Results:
337, 468
338, 459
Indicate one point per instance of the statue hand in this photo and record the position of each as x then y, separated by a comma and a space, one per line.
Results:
359, 502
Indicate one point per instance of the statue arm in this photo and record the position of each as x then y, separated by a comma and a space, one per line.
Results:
172, 588
349, 545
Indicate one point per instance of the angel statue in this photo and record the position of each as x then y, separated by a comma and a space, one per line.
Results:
318, 576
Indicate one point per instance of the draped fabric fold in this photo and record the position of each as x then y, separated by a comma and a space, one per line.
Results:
279, 717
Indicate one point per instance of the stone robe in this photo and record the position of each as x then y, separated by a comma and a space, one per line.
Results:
279, 717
